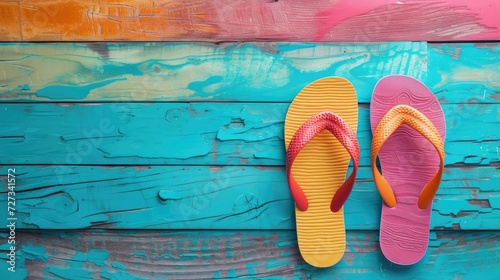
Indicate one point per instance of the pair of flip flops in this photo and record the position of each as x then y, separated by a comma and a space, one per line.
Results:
408, 129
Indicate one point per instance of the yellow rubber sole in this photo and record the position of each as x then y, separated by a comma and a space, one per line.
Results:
320, 169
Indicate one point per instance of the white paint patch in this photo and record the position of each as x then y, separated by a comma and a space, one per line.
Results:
486, 75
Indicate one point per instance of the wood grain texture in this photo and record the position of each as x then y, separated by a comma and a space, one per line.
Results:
114, 20
10, 21
199, 197
249, 255
147, 139
210, 20
464, 73
202, 133
249, 72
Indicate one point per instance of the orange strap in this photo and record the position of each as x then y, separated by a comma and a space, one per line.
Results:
397, 116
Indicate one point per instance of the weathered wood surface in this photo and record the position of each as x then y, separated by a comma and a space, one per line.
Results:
464, 73
250, 72
239, 20
202, 133
116, 138
203, 197
250, 255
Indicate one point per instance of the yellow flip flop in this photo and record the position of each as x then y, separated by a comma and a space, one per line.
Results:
320, 137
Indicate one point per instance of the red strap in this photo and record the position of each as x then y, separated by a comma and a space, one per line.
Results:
310, 129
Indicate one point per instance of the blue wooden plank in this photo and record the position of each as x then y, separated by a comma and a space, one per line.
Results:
263, 72
248, 254
465, 73
208, 197
199, 133
253, 193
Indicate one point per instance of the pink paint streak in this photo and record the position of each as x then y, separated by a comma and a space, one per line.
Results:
342, 10
421, 18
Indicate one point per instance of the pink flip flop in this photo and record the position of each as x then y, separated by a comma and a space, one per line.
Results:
408, 129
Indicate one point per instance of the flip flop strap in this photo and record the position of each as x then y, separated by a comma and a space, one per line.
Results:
310, 129
394, 118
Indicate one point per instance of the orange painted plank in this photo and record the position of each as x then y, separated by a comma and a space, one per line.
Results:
244, 20
63, 20
10, 21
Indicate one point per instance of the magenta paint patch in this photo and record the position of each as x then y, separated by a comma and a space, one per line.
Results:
386, 20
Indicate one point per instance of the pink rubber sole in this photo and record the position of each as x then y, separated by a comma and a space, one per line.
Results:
408, 162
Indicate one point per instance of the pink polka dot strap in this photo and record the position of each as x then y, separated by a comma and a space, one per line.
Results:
310, 129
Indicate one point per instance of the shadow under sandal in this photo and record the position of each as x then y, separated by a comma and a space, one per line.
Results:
408, 129
320, 136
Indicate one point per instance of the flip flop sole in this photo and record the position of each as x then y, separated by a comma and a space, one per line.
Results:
320, 168
408, 162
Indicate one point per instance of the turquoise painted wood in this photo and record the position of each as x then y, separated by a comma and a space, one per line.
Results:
465, 73
199, 133
264, 72
231, 197
273, 255
168, 159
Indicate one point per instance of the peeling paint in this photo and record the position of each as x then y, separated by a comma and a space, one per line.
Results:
201, 134
35, 253
162, 142
242, 197
271, 72
72, 92
470, 77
